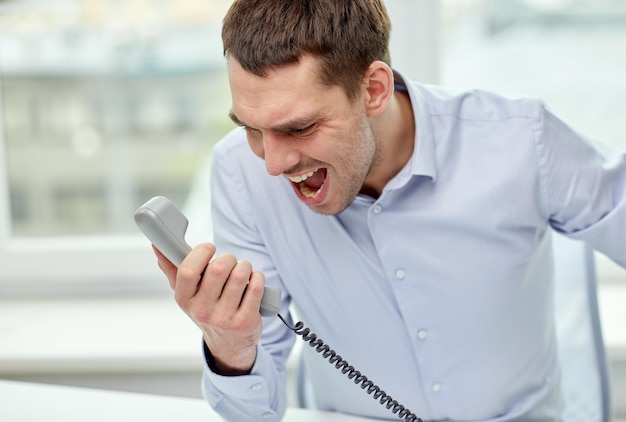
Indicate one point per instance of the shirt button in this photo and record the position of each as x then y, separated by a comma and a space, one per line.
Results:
267, 415
400, 273
256, 387
436, 387
422, 334
377, 209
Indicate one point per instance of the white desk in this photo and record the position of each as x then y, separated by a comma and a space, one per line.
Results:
28, 402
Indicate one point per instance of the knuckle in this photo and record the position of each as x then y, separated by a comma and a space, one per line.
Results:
258, 276
241, 273
202, 315
243, 263
256, 288
207, 248
222, 264
214, 269
186, 273
223, 322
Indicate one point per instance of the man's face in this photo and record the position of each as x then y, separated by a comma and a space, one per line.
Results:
305, 131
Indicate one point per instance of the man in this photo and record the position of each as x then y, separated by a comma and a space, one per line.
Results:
408, 225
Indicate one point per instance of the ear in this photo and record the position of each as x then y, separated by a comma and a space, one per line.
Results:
378, 83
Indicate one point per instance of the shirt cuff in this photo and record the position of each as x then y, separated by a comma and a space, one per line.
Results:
256, 392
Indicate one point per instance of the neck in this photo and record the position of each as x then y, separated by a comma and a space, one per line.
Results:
395, 130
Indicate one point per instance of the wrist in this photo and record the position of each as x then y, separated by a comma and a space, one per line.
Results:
236, 365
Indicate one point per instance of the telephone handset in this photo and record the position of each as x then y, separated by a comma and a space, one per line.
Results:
165, 226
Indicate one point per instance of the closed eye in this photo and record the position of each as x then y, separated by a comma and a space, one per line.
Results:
303, 131
239, 123
298, 128
250, 129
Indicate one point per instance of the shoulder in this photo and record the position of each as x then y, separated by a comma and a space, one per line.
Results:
234, 142
234, 163
233, 152
233, 159
477, 104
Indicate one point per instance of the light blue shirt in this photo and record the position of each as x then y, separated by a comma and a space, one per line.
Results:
440, 291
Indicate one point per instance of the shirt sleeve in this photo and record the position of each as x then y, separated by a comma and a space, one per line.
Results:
247, 397
584, 186
261, 395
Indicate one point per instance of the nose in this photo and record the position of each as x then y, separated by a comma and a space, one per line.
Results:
279, 153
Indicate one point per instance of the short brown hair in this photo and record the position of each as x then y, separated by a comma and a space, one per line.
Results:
348, 35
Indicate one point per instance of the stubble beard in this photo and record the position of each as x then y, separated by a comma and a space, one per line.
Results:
360, 163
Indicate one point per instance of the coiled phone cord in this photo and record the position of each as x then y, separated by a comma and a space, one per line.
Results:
349, 371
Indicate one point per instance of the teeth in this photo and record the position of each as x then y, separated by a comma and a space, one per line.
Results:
301, 178
308, 192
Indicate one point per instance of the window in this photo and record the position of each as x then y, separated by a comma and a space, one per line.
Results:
570, 53
103, 104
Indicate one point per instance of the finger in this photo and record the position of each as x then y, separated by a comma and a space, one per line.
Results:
217, 273
209, 289
251, 302
233, 291
189, 275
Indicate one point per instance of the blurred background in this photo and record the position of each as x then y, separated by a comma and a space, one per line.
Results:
104, 104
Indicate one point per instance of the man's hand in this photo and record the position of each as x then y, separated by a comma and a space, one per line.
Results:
222, 296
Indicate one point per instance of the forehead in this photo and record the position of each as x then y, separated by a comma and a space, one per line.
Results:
284, 93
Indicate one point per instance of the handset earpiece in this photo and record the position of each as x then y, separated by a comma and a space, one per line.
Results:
165, 226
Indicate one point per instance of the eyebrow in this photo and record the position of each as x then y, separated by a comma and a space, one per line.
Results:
291, 126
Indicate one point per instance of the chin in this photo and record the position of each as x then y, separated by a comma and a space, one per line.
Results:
329, 208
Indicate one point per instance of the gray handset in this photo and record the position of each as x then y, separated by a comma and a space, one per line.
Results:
165, 226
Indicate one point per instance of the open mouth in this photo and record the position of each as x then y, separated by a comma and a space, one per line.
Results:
310, 184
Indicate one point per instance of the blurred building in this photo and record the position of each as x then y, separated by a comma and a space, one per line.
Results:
106, 103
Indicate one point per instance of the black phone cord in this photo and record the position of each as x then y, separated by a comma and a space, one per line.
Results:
348, 370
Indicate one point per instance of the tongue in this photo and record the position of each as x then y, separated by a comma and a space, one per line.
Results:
317, 180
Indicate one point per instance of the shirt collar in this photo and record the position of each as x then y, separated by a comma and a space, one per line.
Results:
423, 160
